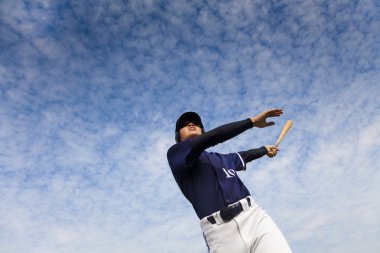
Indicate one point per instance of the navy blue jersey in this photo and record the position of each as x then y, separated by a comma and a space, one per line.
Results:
207, 179
209, 182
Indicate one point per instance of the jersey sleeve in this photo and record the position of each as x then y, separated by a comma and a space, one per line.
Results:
235, 161
177, 156
242, 165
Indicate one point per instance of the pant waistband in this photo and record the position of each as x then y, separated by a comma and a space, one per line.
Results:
232, 211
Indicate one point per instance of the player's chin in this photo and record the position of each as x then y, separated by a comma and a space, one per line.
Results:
194, 134
190, 136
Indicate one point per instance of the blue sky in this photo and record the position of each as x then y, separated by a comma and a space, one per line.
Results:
90, 92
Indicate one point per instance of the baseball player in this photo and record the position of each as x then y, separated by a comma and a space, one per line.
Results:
231, 221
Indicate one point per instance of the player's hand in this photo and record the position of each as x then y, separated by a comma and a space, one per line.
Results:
272, 150
260, 119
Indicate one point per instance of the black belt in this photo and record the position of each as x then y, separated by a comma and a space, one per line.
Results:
229, 212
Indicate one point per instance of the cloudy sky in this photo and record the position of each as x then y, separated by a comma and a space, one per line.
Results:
90, 92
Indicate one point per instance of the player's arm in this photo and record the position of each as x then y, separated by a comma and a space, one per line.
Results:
215, 136
229, 131
182, 155
253, 154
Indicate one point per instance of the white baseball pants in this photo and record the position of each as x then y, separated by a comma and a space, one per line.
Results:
252, 231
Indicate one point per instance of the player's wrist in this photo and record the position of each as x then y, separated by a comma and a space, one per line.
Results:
265, 149
254, 121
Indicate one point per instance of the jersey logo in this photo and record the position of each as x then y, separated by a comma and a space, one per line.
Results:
229, 173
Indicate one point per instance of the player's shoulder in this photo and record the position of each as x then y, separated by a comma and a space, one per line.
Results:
179, 147
171, 149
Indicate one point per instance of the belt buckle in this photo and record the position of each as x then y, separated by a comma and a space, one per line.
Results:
229, 212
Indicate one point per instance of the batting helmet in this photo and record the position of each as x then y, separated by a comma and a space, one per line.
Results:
185, 118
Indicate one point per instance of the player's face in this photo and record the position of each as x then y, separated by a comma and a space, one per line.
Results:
190, 130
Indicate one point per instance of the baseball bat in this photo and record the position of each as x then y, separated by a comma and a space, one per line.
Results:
285, 129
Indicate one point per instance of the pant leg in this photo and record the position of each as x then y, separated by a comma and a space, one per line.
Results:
259, 231
269, 238
224, 237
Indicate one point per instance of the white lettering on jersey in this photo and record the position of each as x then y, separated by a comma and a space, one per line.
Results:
229, 173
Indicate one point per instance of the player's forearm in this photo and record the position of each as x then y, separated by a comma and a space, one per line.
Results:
253, 154
221, 134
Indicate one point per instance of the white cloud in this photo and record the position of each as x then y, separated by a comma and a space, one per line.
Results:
89, 95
